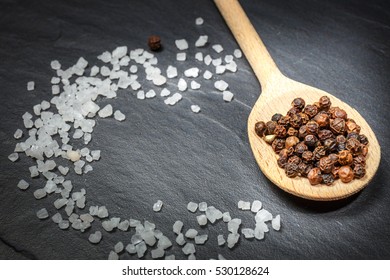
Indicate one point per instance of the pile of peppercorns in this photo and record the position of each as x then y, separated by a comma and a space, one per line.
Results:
316, 141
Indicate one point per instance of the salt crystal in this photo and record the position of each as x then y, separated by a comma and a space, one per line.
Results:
42, 214
130, 248
221, 85
259, 232
73, 155
148, 237
227, 96
189, 248
106, 111
199, 21
202, 206
181, 44
213, 214
263, 216
199, 56
124, 225
95, 238
55, 89
191, 233
226, 217
141, 94
30, 85
232, 67
218, 48
201, 239
172, 100
150, 94
232, 239
141, 249
50, 187
228, 58
135, 85
136, 238
195, 108
233, 225
39, 193
177, 227
78, 133
191, 257
237, 53
202, 41
244, 205
181, 56
248, 233
55, 64
165, 92
157, 253
192, 207
170, 257
119, 116
207, 75
217, 61
64, 224
56, 218
23, 185
102, 212
180, 239
119, 247
276, 223
192, 72
157, 206
171, 72
95, 154
134, 223
86, 217
182, 84
13, 157
221, 240
220, 257
112, 256
18, 134
159, 80
207, 60
164, 242
256, 206
88, 168
195, 85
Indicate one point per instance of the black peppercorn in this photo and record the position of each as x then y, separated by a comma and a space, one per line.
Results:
337, 126
359, 171
293, 111
324, 134
307, 156
280, 131
285, 120
310, 140
291, 170
276, 117
338, 113
312, 127
359, 160
278, 144
327, 179
270, 127
351, 126
319, 152
353, 145
300, 148
310, 110
294, 159
305, 118
292, 132
302, 132
340, 139
325, 103
303, 169
260, 128
363, 139
326, 165
298, 103
345, 174
296, 120
314, 176
330, 144
154, 43
291, 141
322, 119
345, 157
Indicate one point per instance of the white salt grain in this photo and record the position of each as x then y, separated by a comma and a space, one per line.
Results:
181, 56
130, 248
195, 108
213, 214
188, 249
220, 69
192, 72
199, 56
39, 193
263, 216
148, 237
64, 224
181, 44
202, 220
141, 95
45, 105
106, 111
30, 85
56, 218
202, 206
171, 72
165, 92
55, 64
244, 205
119, 116
157, 206
191, 233
141, 249
170, 257
248, 233
201, 239
119, 247
276, 223
172, 100
177, 227
256, 206
199, 21
164, 242
150, 94
227, 96
232, 239
221, 240
157, 253
42, 214
233, 225
207, 75
202, 41
207, 60
73, 155
221, 85
124, 225
112, 256
13, 157
55, 89
23, 185
217, 61
18, 134
180, 239
182, 84
95, 238
237, 53
195, 85
226, 217
218, 48
192, 207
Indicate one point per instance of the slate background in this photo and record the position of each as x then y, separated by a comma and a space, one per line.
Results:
169, 153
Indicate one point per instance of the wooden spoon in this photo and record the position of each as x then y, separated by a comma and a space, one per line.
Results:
277, 93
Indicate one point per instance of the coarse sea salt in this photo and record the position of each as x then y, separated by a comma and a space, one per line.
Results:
181, 44
181, 56
30, 85
201, 41
157, 206
195, 108
199, 21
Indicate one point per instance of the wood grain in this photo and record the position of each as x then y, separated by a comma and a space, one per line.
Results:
277, 93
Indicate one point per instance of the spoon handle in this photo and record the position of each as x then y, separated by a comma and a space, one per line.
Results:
253, 47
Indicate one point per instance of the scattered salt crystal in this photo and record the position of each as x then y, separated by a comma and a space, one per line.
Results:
177, 227
106, 111
135, 85
55, 89
202, 206
181, 44
220, 69
13, 157
232, 239
221, 240
55, 64
195, 108
150, 94
199, 21
95, 238
226, 217
56, 218
233, 225
202, 41
248, 233
188, 249
119, 247
73, 155
207, 60
102, 212
157, 206
119, 116
276, 223
195, 85
256, 206
218, 48
112, 256
192, 72
182, 84
157, 253
263, 216
141, 94
213, 214
130, 248
78, 133
170, 257
180, 239
181, 56
228, 58
259, 232
50, 187
18, 134
64, 224
201, 239
207, 75
164, 242
227, 96
165, 92
199, 56
244, 205
23, 185
30, 85
124, 225
141, 249
172, 100
217, 61
232, 66
192, 207
95, 154
159, 80
237, 53
221, 85
171, 72
45, 105
191, 233
136, 238
88, 168
39, 193
148, 237
42, 214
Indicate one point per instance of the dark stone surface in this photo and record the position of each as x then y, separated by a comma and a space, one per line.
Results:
169, 153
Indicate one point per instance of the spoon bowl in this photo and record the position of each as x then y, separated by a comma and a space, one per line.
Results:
277, 94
